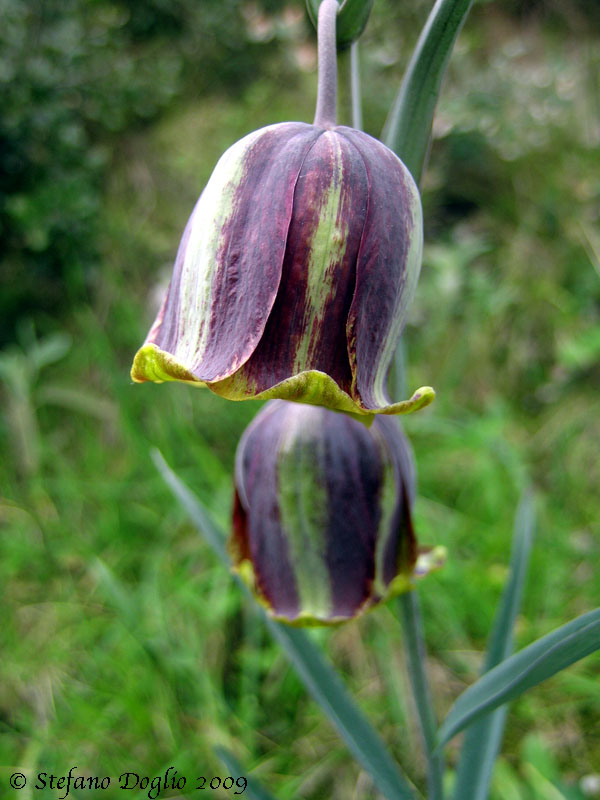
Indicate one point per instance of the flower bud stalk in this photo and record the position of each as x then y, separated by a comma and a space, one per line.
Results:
325, 114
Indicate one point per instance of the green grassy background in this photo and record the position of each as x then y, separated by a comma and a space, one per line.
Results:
125, 646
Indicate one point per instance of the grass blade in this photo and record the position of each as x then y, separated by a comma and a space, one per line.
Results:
416, 657
501, 639
254, 790
408, 126
527, 668
312, 668
483, 738
193, 506
328, 690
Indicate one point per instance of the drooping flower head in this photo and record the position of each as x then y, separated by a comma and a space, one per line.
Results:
294, 273
322, 526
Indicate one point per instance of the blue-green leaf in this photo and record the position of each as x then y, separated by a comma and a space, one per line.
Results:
351, 20
312, 668
328, 690
254, 789
483, 738
408, 126
527, 668
193, 506
416, 658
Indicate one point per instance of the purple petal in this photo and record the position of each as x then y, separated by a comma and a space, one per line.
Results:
387, 268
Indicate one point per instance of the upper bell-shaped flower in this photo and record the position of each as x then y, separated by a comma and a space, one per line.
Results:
322, 526
295, 271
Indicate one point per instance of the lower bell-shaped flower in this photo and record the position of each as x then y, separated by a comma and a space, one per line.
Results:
322, 526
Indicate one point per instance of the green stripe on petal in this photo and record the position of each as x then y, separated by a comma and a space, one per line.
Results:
229, 262
388, 501
303, 510
326, 247
207, 227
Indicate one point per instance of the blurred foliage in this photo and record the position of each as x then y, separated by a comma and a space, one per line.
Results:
124, 643
74, 76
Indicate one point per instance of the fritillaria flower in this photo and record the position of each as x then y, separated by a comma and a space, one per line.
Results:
295, 270
322, 525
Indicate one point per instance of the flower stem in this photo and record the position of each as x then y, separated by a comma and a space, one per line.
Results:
413, 633
357, 120
325, 114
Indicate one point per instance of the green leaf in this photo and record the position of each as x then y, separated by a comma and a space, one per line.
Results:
500, 645
312, 668
351, 21
482, 742
327, 689
254, 790
49, 350
527, 668
194, 508
408, 126
414, 646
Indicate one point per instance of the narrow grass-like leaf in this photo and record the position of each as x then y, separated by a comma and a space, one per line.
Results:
311, 667
482, 741
408, 126
329, 692
49, 350
193, 506
114, 590
351, 20
254, 790
527, 668
416, 657
501, 639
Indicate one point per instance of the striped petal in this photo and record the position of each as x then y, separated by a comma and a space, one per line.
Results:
260, 538
294, 274
305, 354
322, 527
387, 270
307, 326
227, 270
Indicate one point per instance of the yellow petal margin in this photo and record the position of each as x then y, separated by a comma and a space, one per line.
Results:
312, 387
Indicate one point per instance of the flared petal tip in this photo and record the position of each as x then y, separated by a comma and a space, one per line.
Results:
314, 387
156, 365
430, 559
420, 399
